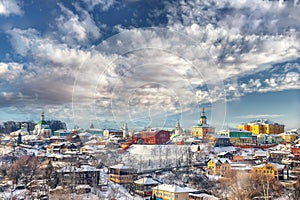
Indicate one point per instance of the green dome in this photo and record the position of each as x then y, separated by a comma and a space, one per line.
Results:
203, 117
42, 122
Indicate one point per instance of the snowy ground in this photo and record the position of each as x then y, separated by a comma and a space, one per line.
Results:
150, 157
5, 150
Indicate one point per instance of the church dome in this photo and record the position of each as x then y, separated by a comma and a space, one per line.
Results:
42, 122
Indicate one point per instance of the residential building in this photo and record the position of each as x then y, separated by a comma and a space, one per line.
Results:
225, 154
152, 137
295, 149
262, 126
143, 187
219, 140
219, 166
237, 137
112, 133
62, 133
268, 139
295, 170
289, 137
170, 192
56, 147
278, 156
83, 175
122, 174
202, 129
277, 171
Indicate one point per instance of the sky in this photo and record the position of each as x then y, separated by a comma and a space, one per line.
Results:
150, 63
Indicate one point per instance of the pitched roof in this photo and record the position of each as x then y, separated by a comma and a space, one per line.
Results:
146, 181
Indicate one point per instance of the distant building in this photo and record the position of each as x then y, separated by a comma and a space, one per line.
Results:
202, 129
277, 171
95, 131
152, 137
62, 133
143, 187
178, 129
112, 133
268, 139
219, 140
219, 166
83, 175
42, 128
170, 192
278, 156
295, 149
289, 137
125, 130
237, 136
262, 126
23, 131
122, 174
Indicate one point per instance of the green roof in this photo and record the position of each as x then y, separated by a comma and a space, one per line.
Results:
203, 117
42, 122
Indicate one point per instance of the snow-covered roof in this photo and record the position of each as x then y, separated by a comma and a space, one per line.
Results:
234, 130
279, 152
223, 160
83, 187
120, 166
82, 168
261, 153
30, 137
221, 149
222, 153
278, 166
171, 188
85, 134
146, 181
204, 196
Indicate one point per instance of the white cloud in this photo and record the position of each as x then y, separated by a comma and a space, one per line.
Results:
76, 28
260, 116
10, 71
104, 4
9, 7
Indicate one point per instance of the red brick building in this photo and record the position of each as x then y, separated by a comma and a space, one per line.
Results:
152, 137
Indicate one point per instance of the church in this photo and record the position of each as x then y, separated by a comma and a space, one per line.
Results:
202, 129
42, 128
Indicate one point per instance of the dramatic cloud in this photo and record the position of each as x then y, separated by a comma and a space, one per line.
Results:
76, 28
211, 52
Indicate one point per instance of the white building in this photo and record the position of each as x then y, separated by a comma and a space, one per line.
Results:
42, 128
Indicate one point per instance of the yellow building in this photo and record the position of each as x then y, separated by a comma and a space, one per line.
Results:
262, 127
170, 192
202, 129
288, 137
272, 169
219, 166
122, 174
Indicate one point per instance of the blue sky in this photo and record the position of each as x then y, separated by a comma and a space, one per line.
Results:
150, 63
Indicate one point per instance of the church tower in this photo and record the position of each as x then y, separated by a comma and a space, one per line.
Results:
203, 117
43, 116
177, 129
125, 130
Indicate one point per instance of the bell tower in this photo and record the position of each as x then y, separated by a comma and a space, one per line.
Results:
203, 117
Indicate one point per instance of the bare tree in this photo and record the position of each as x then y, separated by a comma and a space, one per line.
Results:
265, 185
